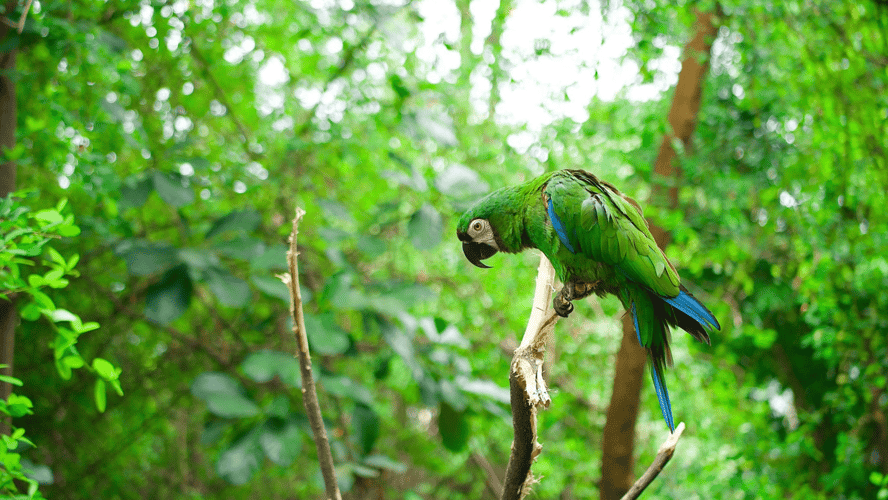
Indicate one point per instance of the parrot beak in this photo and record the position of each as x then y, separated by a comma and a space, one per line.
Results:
476, 252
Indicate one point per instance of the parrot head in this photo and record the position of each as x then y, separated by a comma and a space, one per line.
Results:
483, 227
479, 240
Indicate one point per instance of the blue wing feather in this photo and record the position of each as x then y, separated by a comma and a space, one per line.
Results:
559, 227
635, 319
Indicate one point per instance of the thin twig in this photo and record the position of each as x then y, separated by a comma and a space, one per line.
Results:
21, 23
309, 392
664, 454
528, 389
491, 480
222, 97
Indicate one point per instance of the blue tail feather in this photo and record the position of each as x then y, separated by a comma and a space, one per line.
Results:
659, 386
687, 304
663, 397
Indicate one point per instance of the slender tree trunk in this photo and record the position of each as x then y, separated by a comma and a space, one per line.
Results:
619, 429
618, 443
462, 108
8, 110
494, 41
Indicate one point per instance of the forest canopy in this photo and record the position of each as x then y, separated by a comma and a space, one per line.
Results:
153, 154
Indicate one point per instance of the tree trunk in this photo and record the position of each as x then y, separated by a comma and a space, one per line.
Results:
494, 41
8, 313
618, 442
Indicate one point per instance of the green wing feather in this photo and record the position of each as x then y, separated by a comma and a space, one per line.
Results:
606, 226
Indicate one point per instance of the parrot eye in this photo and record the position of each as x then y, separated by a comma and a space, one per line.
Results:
477, 226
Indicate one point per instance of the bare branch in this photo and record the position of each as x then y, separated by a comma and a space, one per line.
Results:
309, 392
528, 389
491, 480
21, 23
222, 97
664, 454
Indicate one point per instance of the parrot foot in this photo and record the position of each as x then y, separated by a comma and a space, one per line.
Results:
571, 291
582, 290
562, 306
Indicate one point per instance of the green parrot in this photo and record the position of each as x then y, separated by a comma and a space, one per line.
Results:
598, 242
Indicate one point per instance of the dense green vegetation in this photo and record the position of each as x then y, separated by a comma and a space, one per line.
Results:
182, 136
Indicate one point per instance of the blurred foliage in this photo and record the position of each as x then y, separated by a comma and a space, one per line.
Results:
184, 134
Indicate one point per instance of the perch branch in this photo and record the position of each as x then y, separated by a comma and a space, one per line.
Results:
528, 389
309, 392
664, 454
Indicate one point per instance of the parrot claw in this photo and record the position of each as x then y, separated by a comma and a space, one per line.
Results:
562, 305
572, 291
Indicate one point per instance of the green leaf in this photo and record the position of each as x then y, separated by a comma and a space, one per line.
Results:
229, 289
171, 190
341, 385
56, 257
42, 300
60, 315
383, 462
68, 229
364, 471
36, 281
454, 427
145, 259
272, 286
49, 217
243, 222
279, 406
170, 297
134, 193
10, 380
208, 383
325, 336
281, 440
366, 427
241, 460
241, 248
100, 395
105, 369
371, 246
224, 395
30, 312
232, 406
262, 366
425, 228
333, 210
213, 431
18, 405
273, 257
40, 474
197, 258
